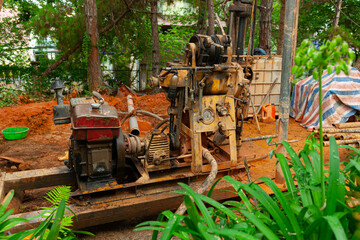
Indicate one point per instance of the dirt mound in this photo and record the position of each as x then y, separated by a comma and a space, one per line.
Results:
36, 116
156, 103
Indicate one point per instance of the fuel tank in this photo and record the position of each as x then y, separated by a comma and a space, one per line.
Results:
93, 124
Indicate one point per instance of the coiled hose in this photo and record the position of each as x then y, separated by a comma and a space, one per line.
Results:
208, 181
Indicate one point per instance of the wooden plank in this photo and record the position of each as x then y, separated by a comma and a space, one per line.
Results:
39, 178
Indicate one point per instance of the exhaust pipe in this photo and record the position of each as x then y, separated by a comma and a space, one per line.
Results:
134, 127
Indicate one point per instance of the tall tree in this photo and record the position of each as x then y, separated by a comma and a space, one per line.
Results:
211, 20
155, 38
280, 41
265, 25
337, 14
78, 45
201, 23
1, 3
94, 69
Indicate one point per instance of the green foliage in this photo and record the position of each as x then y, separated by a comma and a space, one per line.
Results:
56, 196
86, 45
331, 55
62, 25
352, 172
55, 224
9, 97
316, 18
335, 53
298, 214
5, 222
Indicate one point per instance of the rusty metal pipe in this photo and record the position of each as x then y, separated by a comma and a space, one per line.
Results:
335, 130
347, 125
349, 141
258, 138
208, 181
335, 135
134, 127
280, 143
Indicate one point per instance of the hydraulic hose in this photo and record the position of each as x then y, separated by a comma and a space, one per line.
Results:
208, 181
161, 123
135, 112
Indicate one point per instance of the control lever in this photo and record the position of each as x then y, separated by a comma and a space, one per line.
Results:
216, 45
99, 98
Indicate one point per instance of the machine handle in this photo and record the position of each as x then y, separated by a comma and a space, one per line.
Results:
97, 95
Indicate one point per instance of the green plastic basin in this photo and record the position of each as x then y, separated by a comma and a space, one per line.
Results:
15, 133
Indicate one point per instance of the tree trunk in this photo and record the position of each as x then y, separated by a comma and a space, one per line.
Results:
201, 25
94, 70
265, 25
211, 20
357, 64
337, 14
155, 39
280, 41
1, 3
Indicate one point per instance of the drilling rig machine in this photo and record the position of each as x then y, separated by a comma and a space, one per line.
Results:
208, 97
207, 94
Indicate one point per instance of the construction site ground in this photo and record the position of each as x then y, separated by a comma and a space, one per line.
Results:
46, 146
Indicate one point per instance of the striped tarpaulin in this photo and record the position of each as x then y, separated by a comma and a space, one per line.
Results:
341, 99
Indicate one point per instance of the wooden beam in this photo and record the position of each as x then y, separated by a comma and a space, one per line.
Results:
39, 178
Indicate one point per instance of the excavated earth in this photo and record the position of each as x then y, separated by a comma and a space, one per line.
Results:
46, 144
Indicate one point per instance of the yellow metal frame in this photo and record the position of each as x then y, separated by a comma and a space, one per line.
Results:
197, 127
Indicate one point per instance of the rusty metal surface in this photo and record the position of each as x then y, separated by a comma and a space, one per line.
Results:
79, 101
85, 117
40, 178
